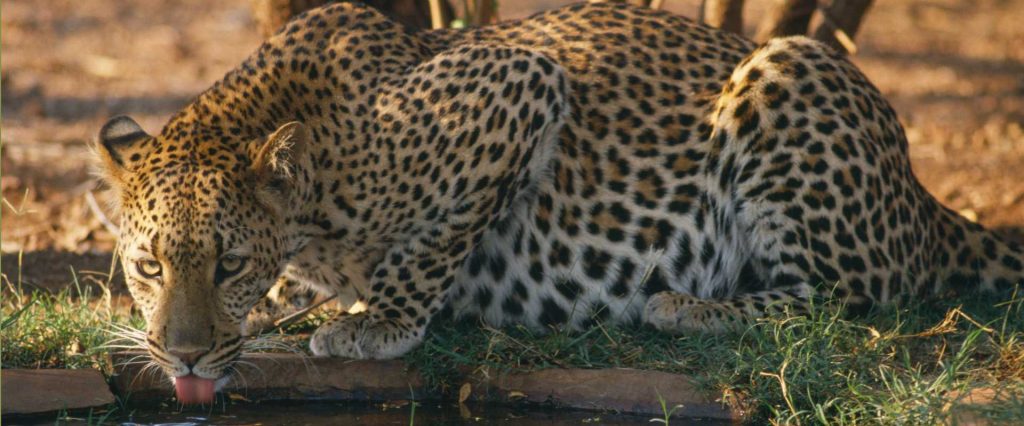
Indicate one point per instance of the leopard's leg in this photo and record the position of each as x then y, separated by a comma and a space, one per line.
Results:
405, 292
492, 165
676, 312
286, 297
810, 167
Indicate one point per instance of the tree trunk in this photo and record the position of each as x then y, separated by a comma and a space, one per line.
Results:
841, 21
481, 12
723, 14
787, 18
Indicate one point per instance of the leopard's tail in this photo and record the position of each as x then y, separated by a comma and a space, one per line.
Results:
978, 258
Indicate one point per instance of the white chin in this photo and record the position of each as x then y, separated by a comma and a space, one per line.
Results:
220, 383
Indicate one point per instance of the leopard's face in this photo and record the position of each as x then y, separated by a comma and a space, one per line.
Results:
200, 242
198, 252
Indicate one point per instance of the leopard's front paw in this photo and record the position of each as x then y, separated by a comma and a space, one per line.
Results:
257, 322
341, 336
682, 313
665, 310
359, 336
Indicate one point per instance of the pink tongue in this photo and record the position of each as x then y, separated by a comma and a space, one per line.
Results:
192, 389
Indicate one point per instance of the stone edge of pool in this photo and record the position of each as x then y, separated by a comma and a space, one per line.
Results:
293, 377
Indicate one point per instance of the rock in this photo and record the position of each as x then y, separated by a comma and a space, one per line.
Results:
286, 376
620, 389
38, 391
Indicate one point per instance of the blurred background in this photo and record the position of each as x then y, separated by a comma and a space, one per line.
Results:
954, 70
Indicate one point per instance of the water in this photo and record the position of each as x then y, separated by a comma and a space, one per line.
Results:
327, 413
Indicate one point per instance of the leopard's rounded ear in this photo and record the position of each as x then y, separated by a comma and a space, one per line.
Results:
277, 161
120, 143
277, 153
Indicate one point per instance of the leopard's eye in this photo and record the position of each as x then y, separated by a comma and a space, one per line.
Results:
231, 263
227, 267
149, 269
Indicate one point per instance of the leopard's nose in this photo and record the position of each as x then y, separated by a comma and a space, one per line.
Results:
189, 358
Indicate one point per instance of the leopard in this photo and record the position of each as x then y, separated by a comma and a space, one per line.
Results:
598, 162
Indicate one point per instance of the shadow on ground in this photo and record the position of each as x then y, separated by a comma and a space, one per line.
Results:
54, 270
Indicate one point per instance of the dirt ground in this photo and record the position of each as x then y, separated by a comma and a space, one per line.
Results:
954, 70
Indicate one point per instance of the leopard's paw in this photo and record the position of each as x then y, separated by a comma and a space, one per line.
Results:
682, 313
358, 336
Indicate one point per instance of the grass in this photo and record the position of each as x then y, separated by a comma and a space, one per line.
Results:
918, 365
915, 365
666, 412
58, 330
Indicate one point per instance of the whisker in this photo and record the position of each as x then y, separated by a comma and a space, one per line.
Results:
252, 366
152, 368
148, 369
118, 336
272, 342
138, 359
120, 347
142, 356
234, 372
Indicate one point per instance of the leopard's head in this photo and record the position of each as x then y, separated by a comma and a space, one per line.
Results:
207, 222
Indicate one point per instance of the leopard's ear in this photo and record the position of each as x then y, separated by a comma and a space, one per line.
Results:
275, 159
120, 146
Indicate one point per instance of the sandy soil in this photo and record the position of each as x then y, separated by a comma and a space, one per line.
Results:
954, 70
